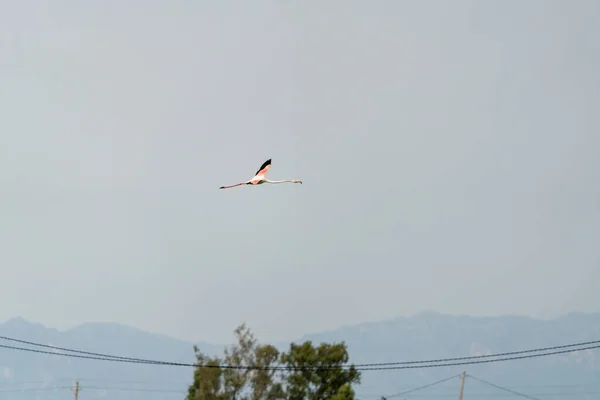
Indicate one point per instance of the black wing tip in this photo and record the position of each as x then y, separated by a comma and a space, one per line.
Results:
264, 165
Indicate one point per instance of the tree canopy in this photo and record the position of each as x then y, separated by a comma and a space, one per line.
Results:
315, 372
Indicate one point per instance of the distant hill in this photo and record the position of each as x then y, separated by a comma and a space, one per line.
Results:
28, 376
19, 369
432, 335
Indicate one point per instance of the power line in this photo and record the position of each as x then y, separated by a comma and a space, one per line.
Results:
35, 389
584, 385
127, 389
47, 346
110, 389
564, 346
503, 388
84, 379
514, 392
421, 387
477, 395
432, 395
303, 368
439, 360
361, 367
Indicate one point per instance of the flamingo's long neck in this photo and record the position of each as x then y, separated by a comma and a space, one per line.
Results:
285, 180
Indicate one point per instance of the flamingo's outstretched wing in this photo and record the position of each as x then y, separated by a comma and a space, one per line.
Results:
231, 186
259, 174
264, 168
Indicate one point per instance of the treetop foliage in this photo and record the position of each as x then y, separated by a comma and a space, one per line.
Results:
334, 382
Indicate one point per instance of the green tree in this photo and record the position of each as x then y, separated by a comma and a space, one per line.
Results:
320, 372
263, 381
344, 393
207, 381
237, 383
241, 353
326, 377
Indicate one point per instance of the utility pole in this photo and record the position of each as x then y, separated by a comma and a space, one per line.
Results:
76, 390
462, 384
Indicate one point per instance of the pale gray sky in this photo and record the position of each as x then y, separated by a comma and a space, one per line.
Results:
449, 153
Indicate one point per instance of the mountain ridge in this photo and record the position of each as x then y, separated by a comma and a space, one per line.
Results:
421, 314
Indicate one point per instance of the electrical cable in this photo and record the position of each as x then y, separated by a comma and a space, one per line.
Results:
47, 346
503, 388
483, 356
302, 368
370, 366
126, 389
42, 389
421, 387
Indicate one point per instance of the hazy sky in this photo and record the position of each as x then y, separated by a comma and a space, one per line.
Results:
449, 153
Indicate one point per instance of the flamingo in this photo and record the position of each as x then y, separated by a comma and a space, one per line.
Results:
260, 178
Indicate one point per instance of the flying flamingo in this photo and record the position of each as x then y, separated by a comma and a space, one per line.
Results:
259, 177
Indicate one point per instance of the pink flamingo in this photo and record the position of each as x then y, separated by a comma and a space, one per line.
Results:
260, 177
